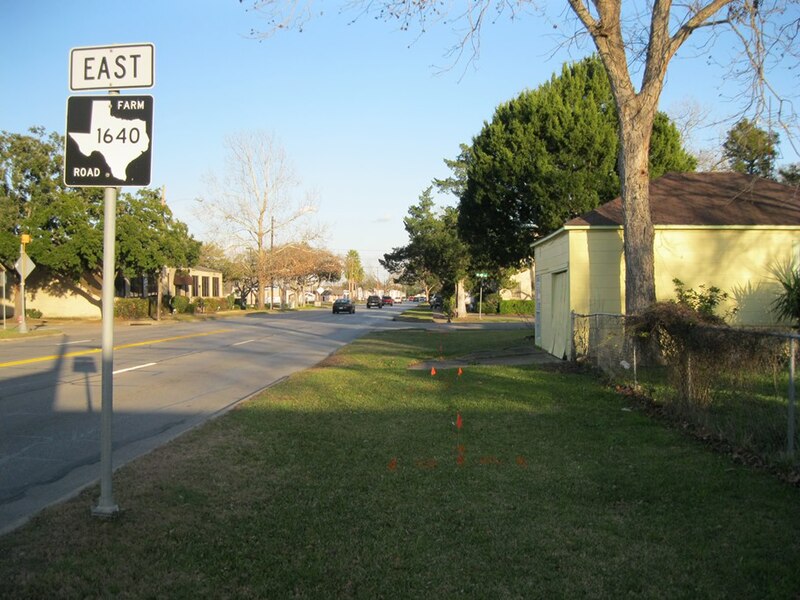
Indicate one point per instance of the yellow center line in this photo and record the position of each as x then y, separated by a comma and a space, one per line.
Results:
27, 361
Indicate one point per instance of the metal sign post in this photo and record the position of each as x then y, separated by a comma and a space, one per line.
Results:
109, 144
106, 506
481, 276
24, 267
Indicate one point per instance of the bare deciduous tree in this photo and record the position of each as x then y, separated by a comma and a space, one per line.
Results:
256, 201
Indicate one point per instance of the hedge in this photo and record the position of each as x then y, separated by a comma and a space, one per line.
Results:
140, 308
131, 308
517, 307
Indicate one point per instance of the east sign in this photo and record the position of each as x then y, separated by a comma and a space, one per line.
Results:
114, 67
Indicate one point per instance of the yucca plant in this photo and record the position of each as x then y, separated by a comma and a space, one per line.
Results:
787, 304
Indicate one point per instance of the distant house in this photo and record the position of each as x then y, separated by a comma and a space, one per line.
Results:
66, 299
722, 229
196, 282
521, 287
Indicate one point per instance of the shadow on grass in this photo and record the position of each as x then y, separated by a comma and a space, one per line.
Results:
345, 481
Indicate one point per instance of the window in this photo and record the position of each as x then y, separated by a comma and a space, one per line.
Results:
195, 287
205, 287
215, 284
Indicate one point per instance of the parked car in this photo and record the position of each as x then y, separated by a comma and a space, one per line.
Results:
387, 300
374, 301
343, 305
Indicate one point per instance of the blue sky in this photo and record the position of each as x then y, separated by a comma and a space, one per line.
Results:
364, 111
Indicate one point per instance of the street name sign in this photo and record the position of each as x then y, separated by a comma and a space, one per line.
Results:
109, 141
115, 67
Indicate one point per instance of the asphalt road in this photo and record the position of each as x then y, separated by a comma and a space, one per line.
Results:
168, 378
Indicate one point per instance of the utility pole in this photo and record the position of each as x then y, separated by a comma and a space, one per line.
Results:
160, 279
271, 257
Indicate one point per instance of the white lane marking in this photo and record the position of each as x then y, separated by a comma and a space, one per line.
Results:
134, 368
75, 342
244, 342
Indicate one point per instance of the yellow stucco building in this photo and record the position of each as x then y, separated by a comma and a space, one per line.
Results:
715, 229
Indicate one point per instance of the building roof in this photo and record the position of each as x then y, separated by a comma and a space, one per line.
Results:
708, 199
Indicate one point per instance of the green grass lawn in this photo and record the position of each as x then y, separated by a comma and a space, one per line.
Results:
416, 312
352, 480
13, 334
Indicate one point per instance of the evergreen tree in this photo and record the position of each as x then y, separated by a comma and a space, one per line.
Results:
790, 174
435, 255
751, 150
547, 156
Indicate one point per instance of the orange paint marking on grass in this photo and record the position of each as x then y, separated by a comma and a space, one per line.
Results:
427, 463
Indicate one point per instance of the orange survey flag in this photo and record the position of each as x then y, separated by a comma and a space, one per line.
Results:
459, 421
460, 372
433, 371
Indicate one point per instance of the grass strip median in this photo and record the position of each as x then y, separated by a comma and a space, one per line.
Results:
362, 478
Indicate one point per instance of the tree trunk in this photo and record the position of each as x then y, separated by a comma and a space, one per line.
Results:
640, 287
461, 300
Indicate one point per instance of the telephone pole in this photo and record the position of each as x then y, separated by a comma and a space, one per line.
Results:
271, 260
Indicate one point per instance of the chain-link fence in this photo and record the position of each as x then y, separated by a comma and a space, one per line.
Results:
737, 385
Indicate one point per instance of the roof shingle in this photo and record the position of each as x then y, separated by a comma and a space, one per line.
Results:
721, 199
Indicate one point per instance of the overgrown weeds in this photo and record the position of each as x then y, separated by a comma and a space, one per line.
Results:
731, 382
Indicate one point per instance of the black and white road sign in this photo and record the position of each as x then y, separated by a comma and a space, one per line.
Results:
109, 141
111, 67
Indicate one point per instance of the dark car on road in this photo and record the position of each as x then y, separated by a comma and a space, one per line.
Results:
344, 305
387, 300
374, 301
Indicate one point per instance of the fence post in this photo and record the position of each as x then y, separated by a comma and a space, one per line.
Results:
790, 431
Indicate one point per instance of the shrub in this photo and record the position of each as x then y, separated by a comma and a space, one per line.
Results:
448, 307
699, 348
491, 304
787, 304
131, 308
212, 305
517, 307
33, 313
182, 304
705, 301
